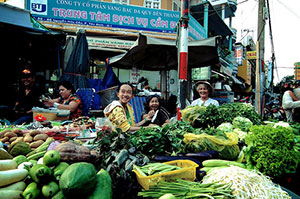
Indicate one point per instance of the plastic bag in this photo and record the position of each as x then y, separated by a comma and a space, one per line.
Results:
227, 148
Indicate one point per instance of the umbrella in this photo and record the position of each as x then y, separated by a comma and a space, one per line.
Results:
148, 53
78, 63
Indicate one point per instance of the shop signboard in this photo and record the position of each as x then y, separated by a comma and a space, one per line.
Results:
135, 75
244, 71
101, 42
239, 55
109, 15
251, 54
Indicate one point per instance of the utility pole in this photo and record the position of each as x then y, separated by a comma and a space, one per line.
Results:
183, 53
259, 84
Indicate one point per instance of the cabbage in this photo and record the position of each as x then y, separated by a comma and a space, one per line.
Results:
241, 134
225, 127
283, 124
242, 123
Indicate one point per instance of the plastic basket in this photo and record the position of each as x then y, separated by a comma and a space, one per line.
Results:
188, 172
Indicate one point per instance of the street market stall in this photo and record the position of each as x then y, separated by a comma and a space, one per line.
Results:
214, 152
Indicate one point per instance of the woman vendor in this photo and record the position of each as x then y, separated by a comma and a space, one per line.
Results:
158, 114
68, 100
120, 112
205, 91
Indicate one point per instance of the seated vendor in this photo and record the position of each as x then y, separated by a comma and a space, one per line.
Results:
158, 114
120, 112
68, 100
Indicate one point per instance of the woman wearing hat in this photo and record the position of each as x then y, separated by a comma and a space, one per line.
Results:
205, 91
158, 114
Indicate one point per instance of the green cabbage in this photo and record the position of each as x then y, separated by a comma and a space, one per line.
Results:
242, 123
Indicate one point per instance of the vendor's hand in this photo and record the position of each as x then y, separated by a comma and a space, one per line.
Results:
153, 125
151, 113
48, 102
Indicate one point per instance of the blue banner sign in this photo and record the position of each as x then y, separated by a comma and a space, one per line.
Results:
111, 15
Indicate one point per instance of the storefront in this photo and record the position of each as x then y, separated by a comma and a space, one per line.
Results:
25, 41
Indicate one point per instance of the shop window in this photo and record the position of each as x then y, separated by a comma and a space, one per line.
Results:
152, 4
175, 6
125, 2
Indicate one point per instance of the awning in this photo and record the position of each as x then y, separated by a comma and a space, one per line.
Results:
21, 40
216, 25
103, 53
155, 54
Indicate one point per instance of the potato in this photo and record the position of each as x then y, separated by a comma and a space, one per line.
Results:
41, 136
18, 132
2, 133
10, 134
5, 139
12, 139
28, 138
36, 143
34, 132
19, 139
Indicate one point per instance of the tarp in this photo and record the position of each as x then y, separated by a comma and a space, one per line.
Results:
78, 64
149, 53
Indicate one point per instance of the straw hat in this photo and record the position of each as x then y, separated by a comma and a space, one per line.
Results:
210, 88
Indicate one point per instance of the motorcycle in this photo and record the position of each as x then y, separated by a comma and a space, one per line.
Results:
274, 110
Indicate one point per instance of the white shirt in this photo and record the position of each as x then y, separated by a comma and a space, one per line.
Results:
206, 103
288, 104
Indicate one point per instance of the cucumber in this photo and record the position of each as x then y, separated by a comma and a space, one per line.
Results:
103, 188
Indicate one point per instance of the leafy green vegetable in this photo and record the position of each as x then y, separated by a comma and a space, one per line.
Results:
242, 123
225, 127
212, 116
160, 141
271, 150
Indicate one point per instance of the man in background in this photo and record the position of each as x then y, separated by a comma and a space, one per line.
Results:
296, 112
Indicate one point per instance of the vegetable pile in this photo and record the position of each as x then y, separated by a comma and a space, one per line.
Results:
214, 116
186, 189
271, 150
245, 183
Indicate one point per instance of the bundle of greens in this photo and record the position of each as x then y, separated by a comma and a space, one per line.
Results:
271, 150
117, 157
160, 141
186, 189
212, 116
